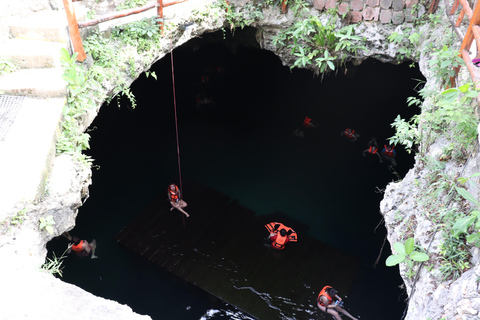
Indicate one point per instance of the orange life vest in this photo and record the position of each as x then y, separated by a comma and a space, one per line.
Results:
325, 294
174, 194
280, 241
372, 149
78, 247
387, 152
292, 237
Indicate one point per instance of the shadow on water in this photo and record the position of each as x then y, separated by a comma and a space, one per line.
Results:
244, 146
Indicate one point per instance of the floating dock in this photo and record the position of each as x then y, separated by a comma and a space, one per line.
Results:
222, 249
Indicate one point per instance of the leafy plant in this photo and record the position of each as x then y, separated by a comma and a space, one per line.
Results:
462, 225
240, 16
47, 223
451, 115
406, 43
406, 253
317, 44
78, 101
444, 62
130, 4
19, 217
6, 66
54, 265
406, 132
455, 258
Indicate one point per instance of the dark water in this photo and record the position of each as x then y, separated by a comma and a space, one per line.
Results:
244, 146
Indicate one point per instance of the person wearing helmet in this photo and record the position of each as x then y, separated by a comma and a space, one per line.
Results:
329, 302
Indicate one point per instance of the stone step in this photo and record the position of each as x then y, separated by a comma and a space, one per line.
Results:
46, 25
32, 53
40, 83
28, 148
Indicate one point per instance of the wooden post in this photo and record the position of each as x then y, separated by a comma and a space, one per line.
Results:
74, 31
160, 14
284, 6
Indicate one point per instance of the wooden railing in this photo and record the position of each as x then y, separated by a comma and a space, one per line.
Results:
472, 33
74, 26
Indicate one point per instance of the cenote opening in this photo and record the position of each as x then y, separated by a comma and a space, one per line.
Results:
244, 145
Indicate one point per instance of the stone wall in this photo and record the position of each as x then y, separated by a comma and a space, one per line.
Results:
384, 11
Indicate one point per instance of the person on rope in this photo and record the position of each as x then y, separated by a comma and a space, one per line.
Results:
373, 149
175, 198
280, 235
82, 248
389, 154
350, 134
329, 302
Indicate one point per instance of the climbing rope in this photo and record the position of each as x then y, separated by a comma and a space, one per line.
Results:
176, 122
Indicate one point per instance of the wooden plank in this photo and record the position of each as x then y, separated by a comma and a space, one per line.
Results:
222, 249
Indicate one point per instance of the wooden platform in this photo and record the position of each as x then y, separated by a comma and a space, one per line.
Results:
222, 249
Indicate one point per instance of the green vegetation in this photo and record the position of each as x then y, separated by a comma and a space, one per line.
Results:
15, 220
54, 265
6, 66
319, 45
451, 113
79, 100
407, 42
448, 119
46, 223
130, 4
471, 220
406, 253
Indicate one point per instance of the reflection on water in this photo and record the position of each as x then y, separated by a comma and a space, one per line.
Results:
244, 145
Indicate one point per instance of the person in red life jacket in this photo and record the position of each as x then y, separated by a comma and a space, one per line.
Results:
82, 248
280, 235
329, 302
389, 153
175, 198
279, 239
307, 123
373, 149
350, 134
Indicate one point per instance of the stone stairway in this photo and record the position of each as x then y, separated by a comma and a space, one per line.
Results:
31, 103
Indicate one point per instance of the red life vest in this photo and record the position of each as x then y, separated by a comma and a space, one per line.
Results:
174, 194
306, 122
78, 247
292, 237
349, 133
372, 149
388, 153
280, 241
325, 294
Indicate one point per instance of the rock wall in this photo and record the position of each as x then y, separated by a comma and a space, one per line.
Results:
68, 185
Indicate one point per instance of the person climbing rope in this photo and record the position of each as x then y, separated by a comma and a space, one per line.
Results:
350, 134
280, 235
325, 302
82, 248
175, 198
373, 149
